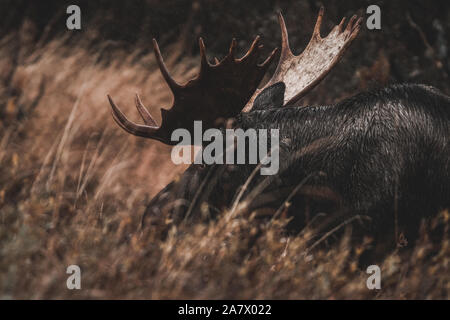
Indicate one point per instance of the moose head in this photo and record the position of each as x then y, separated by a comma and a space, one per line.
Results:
223, 90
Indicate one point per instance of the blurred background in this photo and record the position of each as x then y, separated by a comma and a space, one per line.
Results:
412, 44
73, 185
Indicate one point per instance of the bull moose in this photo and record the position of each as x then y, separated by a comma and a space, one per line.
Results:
383, 155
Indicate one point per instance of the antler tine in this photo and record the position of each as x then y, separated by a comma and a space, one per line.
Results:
269, 58
203, 58
252, 48
350, 23
232, 48
341, 24
354, 29
174, 86
285, 49
316, 32
146, 116
131, 127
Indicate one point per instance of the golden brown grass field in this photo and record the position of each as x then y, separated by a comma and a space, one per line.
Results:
73, 187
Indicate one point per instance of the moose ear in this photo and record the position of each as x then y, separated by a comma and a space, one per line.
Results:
271, 97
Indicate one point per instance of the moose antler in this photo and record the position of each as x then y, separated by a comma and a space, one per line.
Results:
303, 72
219, 91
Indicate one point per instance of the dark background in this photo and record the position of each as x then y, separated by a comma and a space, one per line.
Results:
412, 45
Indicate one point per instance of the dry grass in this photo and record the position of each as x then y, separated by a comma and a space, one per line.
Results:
73, 187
